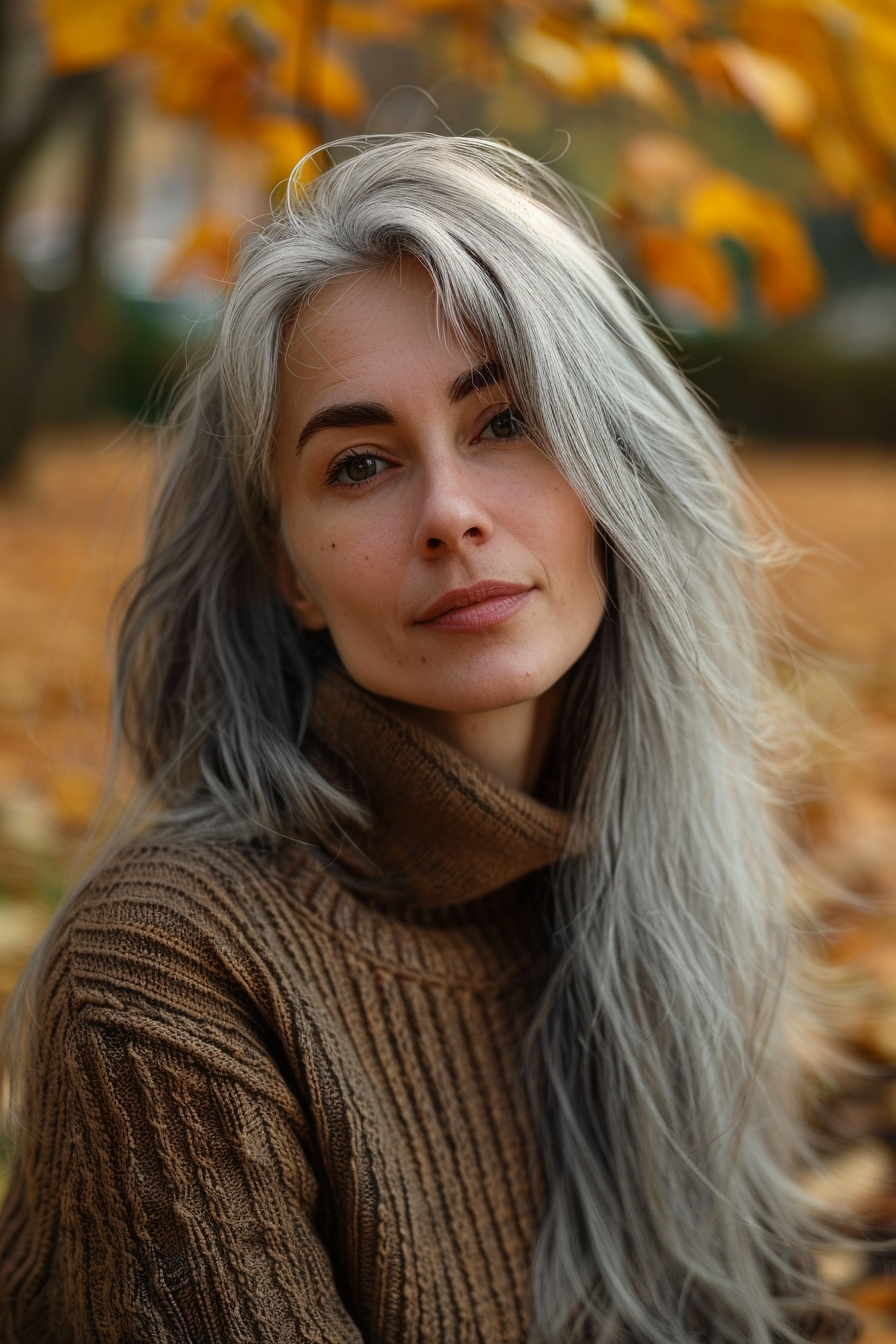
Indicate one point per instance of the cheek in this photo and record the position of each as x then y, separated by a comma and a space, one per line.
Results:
568, 541
347, 569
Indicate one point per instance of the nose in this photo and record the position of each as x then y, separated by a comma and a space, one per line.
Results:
453, 514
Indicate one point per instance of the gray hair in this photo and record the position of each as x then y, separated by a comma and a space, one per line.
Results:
662, 1087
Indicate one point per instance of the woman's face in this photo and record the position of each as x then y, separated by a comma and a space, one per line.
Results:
451, 562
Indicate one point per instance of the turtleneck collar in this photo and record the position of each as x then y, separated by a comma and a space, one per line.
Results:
443, 830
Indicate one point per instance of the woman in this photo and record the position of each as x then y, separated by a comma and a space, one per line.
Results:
437, 995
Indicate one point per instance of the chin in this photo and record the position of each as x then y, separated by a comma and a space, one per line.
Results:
458, 690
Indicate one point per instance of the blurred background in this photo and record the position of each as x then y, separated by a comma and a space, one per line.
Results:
740, 161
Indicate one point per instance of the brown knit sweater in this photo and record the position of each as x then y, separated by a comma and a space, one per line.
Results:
273, 1105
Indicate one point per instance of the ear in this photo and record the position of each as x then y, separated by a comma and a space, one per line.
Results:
290, 587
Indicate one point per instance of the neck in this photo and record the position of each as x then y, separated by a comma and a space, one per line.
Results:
510, 742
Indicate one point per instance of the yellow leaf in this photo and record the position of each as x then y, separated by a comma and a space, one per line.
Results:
695, 271
336, 88
874, 83
658, 21
875, 28
584, 70
318, 80
788, 277
436, 6
286, 142
218, 91
559, 62
86, 35
770, 85
209, 250
640, 79
877, 222
843, 161
371, 22
604, 68
799, 38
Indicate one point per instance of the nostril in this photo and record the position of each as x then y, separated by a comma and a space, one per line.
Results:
433, 543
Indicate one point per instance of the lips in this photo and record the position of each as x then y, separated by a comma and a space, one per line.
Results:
487, 594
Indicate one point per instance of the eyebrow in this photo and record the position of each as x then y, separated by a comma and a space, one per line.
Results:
347, 415
475, 380
360, 414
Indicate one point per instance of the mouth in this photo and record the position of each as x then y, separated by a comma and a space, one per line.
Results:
475, 608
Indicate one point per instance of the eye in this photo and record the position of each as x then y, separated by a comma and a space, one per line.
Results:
507, 424
356, 469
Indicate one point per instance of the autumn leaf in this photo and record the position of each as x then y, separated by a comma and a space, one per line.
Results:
642, 81
788, 277
385, 22
338, 89
655, 168
208, 249
88, 35
691, 269
873, 82
660, 21
564, 65
797, 34
774, 88
877, 221
286, 142
845, 163
821, 73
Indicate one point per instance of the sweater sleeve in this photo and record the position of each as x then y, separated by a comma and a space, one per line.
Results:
177, 1178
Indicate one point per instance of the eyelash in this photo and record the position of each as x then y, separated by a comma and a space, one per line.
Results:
332, 477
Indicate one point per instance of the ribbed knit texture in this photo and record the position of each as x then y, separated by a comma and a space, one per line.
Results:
270, 1106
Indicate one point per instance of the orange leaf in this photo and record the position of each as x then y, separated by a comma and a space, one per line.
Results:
85, 36
318, 80
703, 62
217, 91
209, 249
657, 166
565, 65
799, 38
435, 6
694, 271
287, 142
371, 22
874, 83
844, 162
877, 222
336, 88
788, 277
874, 26
658, 21
642, 81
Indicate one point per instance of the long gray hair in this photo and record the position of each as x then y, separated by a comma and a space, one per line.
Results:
662, 1087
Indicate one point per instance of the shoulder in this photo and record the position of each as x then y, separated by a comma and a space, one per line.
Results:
190, 887
162, 922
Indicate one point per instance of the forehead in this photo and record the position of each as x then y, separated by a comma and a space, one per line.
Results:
367, 324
